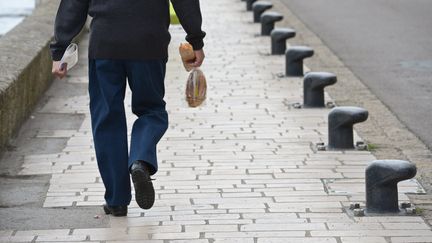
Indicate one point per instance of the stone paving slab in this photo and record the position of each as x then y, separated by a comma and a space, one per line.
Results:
240, 168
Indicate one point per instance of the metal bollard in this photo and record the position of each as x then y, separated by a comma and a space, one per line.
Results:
278, 40
340, 126
249, 4
294, 60
268, 20
258, 8
313, 88
382, 177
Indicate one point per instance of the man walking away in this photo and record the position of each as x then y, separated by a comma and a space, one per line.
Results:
128, 41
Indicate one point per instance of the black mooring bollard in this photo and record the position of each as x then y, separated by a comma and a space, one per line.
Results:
278, 40
249, 4
294, 60
268, 20
258, 8
340, 126
313, 88
382, 177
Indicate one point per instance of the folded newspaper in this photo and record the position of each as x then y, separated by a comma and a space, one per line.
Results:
70, 57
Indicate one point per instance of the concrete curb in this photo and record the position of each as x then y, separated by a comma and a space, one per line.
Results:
25, 68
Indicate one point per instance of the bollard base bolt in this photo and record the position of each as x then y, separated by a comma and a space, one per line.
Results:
360, 145
354, 206
359, 212
330, 105
411, 211
280, 75
405, 205
297, 105
321, 147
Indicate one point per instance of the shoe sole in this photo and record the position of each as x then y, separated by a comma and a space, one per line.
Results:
144, 191
107, 211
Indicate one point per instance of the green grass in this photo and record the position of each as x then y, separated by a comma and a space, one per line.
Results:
372, 147
419, 211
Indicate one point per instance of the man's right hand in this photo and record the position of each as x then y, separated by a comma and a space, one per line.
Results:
59, 71
199, 59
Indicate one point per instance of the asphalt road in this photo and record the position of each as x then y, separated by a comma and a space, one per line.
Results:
387, 44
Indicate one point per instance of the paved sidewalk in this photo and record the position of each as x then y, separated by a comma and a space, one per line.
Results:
238, 169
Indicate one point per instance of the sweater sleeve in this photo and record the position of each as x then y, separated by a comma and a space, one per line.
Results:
70, 19
189, 14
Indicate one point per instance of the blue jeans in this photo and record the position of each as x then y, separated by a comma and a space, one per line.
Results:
107, 87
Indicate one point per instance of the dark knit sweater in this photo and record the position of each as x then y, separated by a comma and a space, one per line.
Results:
125, 29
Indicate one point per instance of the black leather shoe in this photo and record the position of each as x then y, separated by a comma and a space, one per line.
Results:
117, 211
144, 191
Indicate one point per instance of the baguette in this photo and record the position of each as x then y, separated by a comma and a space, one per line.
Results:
187, 55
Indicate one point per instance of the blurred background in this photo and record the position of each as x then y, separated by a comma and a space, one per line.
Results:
13, 12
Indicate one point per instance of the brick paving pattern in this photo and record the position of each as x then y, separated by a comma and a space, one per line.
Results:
241, 168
